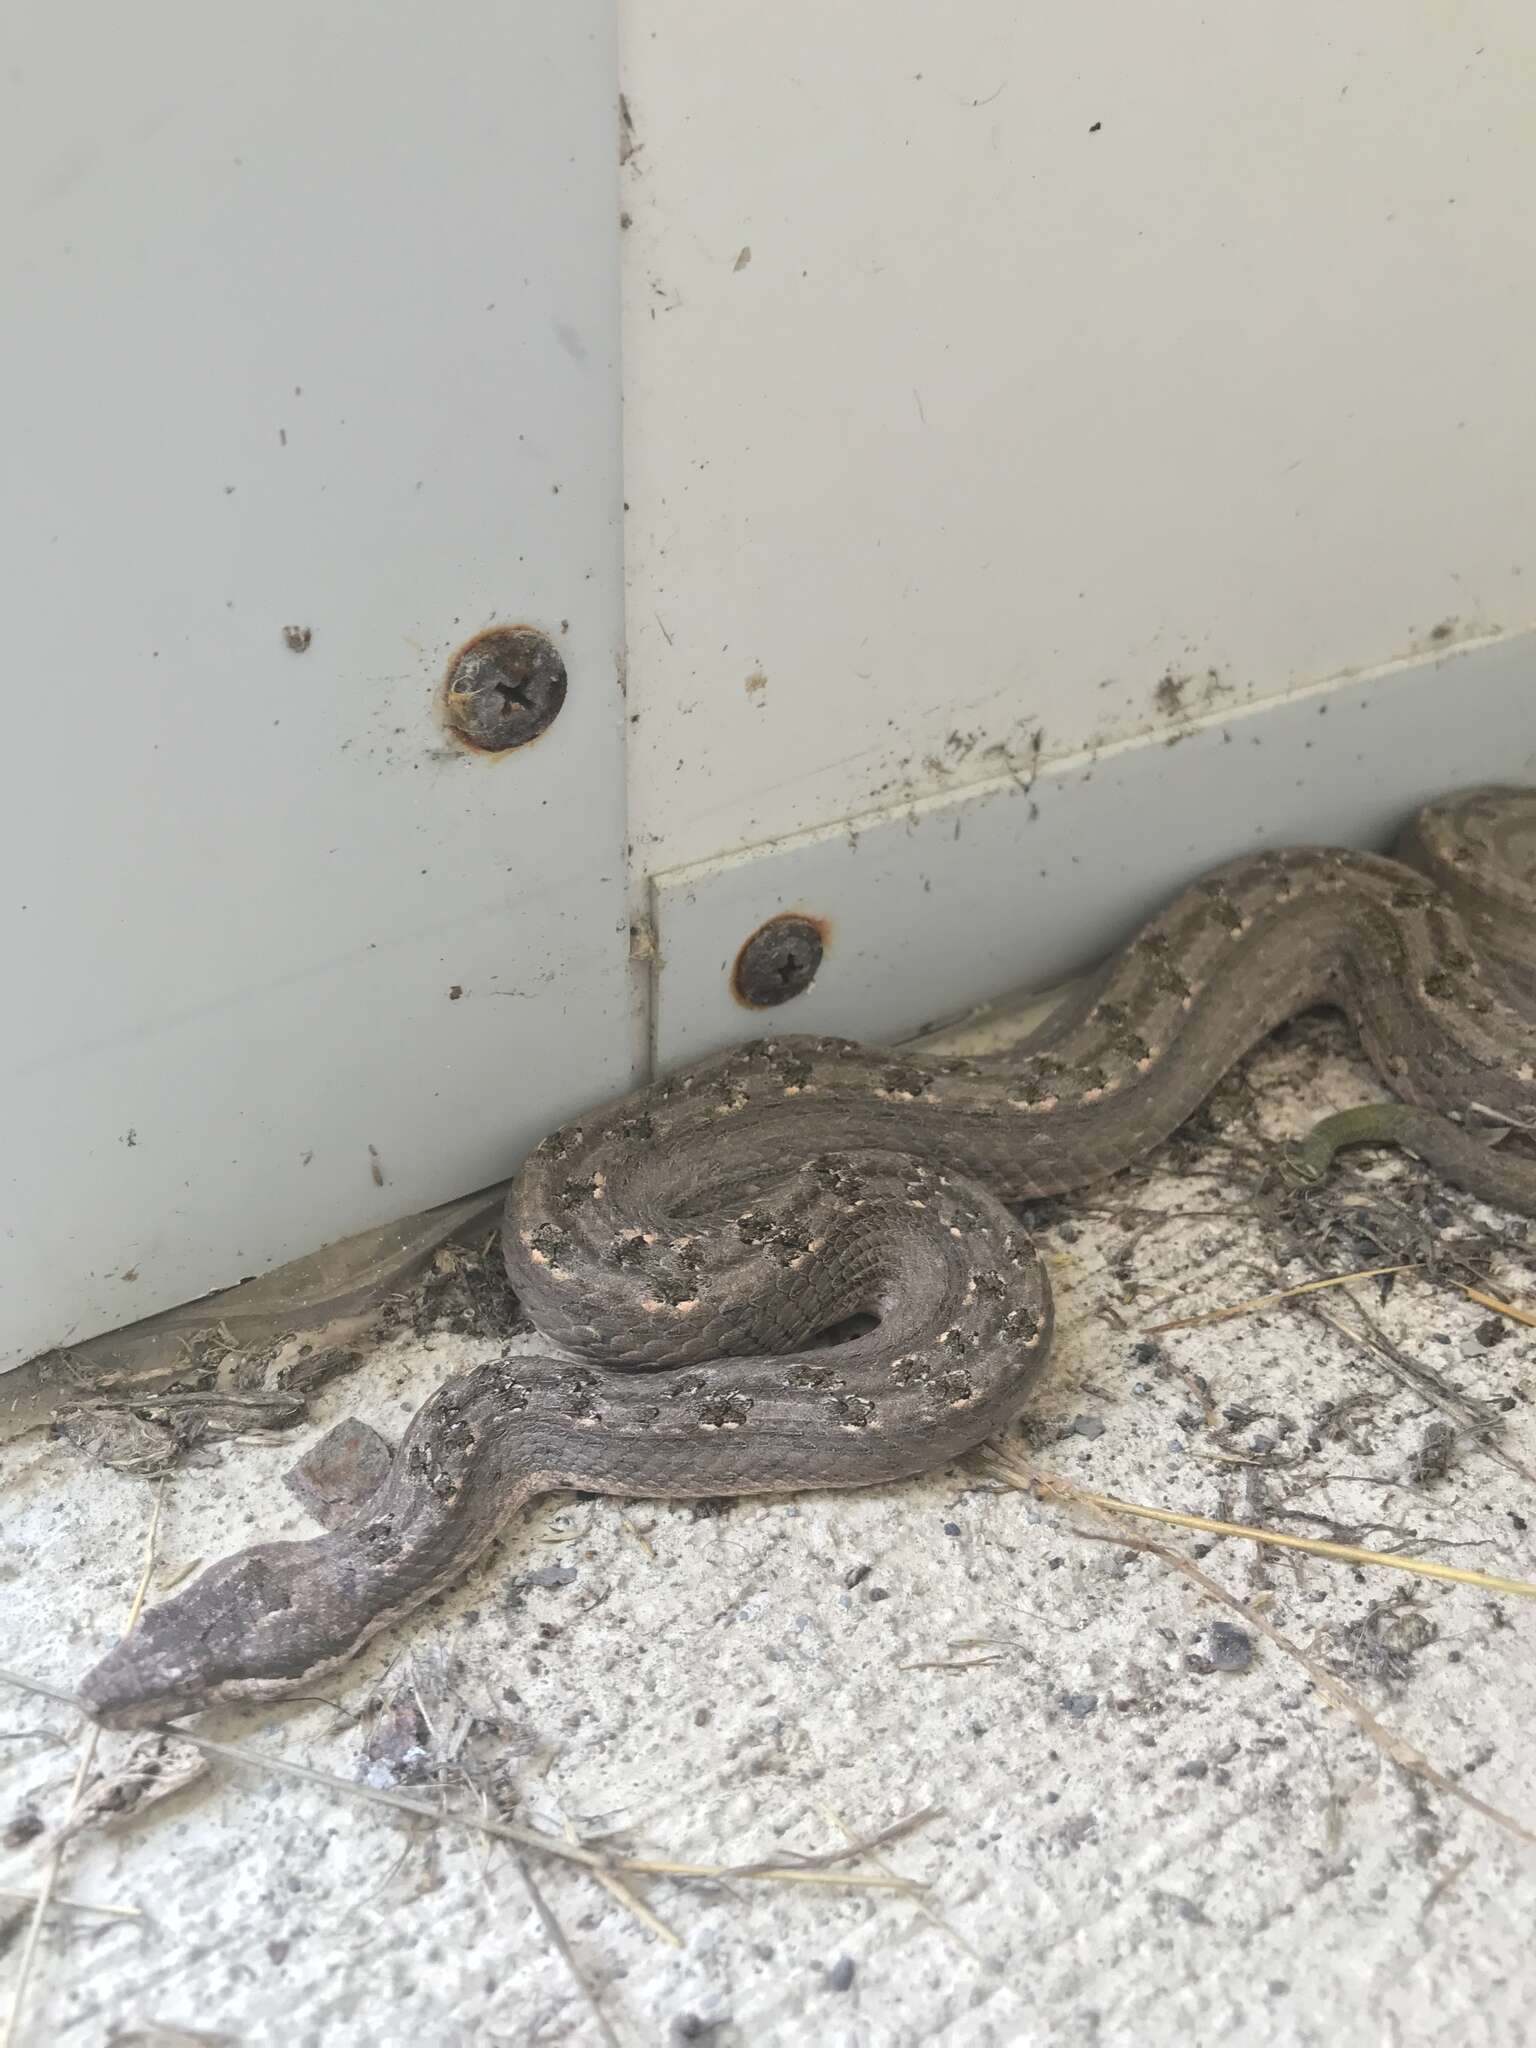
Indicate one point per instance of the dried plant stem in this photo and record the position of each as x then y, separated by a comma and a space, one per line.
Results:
1503, 1308
617, 1889
935, 1918
563, 1949
1423, 1383
1391, 1746
1349, 1553
1258, 1302
87, 1758
1262, 1301
508, 1831
71, 1905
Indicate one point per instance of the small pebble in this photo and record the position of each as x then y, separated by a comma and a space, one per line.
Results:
1079, 1704
840, 1976
24, 1827
951, 1528
551, 1575
1089, 1426
1437, 1447
1231, 1647
856, 1574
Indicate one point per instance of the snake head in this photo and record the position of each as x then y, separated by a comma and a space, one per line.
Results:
255, 1626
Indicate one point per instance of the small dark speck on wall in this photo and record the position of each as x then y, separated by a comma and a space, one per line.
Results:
1096, 127
455, 992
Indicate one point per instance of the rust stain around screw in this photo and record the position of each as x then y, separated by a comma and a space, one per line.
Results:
504, 688
779, 961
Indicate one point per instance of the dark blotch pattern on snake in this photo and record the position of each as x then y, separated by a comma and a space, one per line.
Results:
688, 1243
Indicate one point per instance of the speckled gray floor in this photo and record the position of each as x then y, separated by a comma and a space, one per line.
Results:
1150, 1827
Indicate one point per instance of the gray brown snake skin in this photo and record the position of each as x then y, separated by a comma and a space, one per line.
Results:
688, 1242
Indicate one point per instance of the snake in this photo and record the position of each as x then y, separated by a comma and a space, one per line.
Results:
796, 1263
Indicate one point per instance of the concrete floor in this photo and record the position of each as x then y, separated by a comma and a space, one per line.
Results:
1150, 1825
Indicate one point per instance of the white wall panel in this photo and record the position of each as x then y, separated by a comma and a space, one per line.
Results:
311, 319
1002, 387
1022, 881
989, 364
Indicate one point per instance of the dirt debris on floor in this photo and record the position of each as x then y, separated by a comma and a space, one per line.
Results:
1139, 1813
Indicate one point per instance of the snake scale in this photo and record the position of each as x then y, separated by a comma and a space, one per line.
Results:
688, 1244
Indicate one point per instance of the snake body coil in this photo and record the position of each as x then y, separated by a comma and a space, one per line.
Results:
690, 1242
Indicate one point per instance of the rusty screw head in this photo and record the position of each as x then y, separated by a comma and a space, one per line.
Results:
778, 961
504, 687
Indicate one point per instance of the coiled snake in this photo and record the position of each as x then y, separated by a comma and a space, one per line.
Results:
689, 1242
